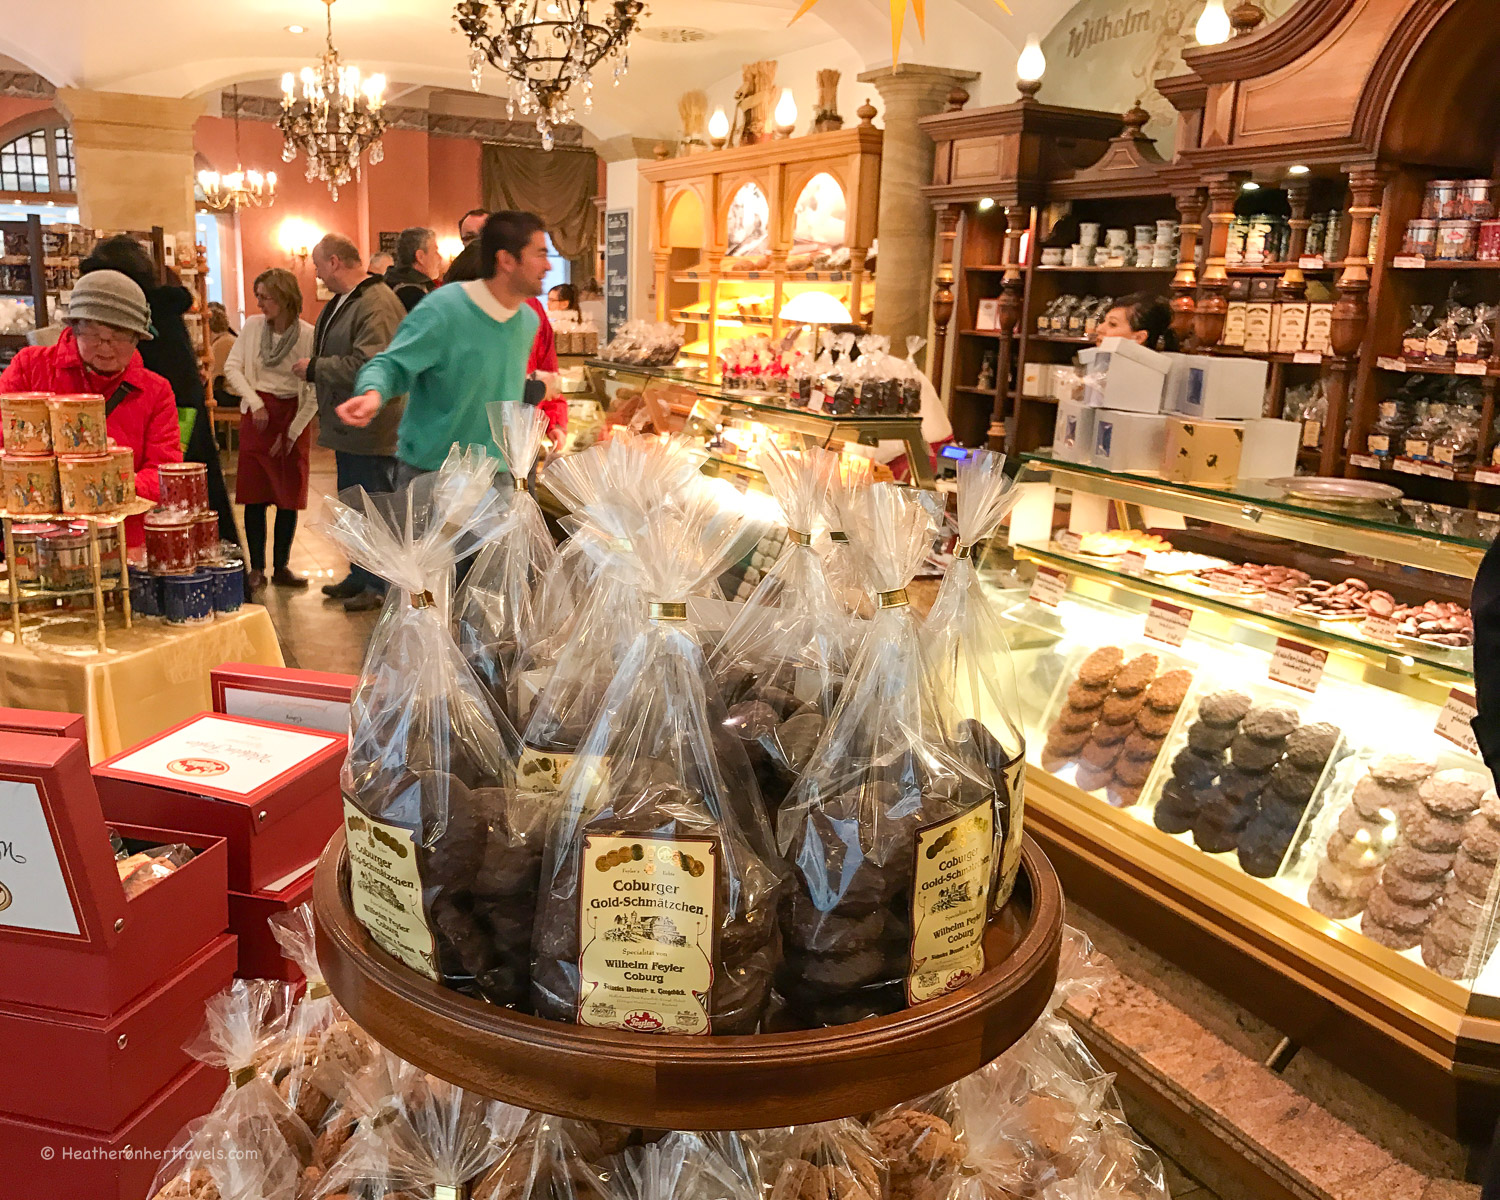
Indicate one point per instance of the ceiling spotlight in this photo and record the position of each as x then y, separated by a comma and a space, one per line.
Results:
1298, 170
296, 28
1249, 186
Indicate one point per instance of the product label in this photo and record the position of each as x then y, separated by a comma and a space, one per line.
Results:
1367, 461
1291, 329
1168, 623
386, 888
1378, 443
1436, 472
647, 920
227, 755
1417, 448
1444, 454
1297, 665
950, 902
1379, 629
1311, 262
1438, 347
1307, 357
1312, 434
1280, 603
1133, 562
1470, 368
1408, 262
34, 892
1049, 587
1455, 721
1014, 826
542, 770
1490, 477
1069, 542
1412, 348
331, 716
1407, 467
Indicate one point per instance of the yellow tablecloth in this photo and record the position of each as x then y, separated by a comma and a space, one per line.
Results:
151, 677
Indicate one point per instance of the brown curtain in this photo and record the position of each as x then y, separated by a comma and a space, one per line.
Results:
558, 185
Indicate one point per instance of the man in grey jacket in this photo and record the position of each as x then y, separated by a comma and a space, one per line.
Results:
355, 326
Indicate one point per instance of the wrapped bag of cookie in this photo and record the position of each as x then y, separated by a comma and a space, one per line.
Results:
231, 1154
684, 1166
428, 784
554, 1158
831, 1160
975, 677
661, 876
781, 663
841, 564
919, 1146
890, 831
494, 613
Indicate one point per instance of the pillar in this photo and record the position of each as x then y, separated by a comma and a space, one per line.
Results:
135, 158
904, 291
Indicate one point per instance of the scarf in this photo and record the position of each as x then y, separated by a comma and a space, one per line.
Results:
275, 347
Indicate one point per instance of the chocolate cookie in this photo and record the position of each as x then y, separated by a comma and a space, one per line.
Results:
1194, 769
1269, 722
1465, 909
1482, 842
1262, 847
1053, 763
1310, 746
1214, 837
1101, 756
1448, 937
1425, 831
1112, 735
1085, 698
1076, 720
1133, 772
1401, 770
1396, 939
1243, 787
1122, 795
1064, 745
1168, 690
1416, 893
1293, 784
1174, 815
1340, 908
1472, 875
1100, 667
1378, 801
1155, 723
1136, 674
1344, 881
1227, 708
1454, 793
1121, 708
1382, 909
1254, 754
1210, 738
1142, 747
1419, 864
1489, 807
1091, 778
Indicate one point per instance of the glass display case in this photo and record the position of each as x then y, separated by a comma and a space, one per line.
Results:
1248, 744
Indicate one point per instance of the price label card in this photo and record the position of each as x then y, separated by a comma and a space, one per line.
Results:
1490, 477
1307, 356
1368, 461
1433, 471
1297, 665
1465, 368
1386, 363
1310, 262
1379, 629
1049, 587
1280, 603
1133, 563
1069, 542
1454, 720
1409, 262
1168, 623
1407, 467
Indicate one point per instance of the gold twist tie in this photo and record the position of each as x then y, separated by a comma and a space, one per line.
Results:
963, 552
243, 1076
797, 537
668, 610
522, 483
895, 599
837, 535
421, 599
318, 990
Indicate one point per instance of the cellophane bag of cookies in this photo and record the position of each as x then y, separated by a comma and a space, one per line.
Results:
683, 1165
782, 662
920, 1147
975, 675
829, 1160
841, 564
554, 1158
495, 613
890, 831
439, 847
234, 1153
661, 877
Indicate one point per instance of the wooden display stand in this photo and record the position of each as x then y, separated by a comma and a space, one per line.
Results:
690, 202
697, 1082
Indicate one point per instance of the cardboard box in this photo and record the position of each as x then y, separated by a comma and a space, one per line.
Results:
1291, 328
1270, 449
1259, 327
284, 695
44, 724
93, 1072
1123, 375
260, 954
69, 939
49, 1161
1036, 379
1073, 436
1211, 388
1203, 452
1129, 441
1319, 328
1234, 324
270, 791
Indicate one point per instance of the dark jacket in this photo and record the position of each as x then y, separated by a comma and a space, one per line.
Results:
344, 339
409, 284
465, 266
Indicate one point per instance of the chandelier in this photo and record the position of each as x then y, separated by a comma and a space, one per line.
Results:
239, 188
545, 48
336, 119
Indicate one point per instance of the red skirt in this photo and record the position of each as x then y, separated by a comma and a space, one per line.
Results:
266, 478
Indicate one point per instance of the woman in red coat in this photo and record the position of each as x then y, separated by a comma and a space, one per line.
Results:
107, 317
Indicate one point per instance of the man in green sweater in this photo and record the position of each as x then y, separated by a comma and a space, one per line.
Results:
464, 347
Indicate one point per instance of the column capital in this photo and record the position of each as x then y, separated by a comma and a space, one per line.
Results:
121, 121
915, 82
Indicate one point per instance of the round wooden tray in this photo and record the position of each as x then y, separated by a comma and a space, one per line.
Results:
746, 1082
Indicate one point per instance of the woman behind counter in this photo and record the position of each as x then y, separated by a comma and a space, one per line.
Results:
275, 442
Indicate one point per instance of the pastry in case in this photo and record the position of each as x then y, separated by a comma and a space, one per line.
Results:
26, 422
30, 484
78, 424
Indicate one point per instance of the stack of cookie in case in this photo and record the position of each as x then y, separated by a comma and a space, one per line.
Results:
1365, 835
1458, 924
1115, 720
1243, 782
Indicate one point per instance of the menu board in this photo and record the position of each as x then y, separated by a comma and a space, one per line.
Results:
616, 270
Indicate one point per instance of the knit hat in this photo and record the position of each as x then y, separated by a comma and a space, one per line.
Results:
111, 299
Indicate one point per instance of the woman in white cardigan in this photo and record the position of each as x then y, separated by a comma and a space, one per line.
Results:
277, 407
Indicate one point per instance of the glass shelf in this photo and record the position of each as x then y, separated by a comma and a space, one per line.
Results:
1376, 531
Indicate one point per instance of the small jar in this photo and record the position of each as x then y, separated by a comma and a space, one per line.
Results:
1458, 241
27, 423
188, 599
1421, 239
30, 484
1489, 241
62, 560
1478, 199
23, 540
169, 542
206, 537
184, 486
84, 484
110, 561
1443, 200
229, 585
78, 424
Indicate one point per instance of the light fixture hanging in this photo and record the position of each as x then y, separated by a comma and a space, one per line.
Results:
239, 188
336, 120
545, 48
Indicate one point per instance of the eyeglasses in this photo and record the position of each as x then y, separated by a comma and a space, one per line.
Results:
103, 335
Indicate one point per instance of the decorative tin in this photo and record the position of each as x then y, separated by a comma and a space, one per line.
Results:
188, 599
84, 484
229, 585
62, 559
145, 593
169, 542
78, 424
30, 484
206, 537
184, 485
27, 424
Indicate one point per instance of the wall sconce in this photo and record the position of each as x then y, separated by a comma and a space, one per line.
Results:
298, 237
718, 128
450, 248
786, 114
1213, 28
1030, 67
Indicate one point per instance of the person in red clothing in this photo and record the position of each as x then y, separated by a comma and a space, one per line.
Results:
107, 317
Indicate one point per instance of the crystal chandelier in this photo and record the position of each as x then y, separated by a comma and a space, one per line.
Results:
336, 120
545, 48
239, 188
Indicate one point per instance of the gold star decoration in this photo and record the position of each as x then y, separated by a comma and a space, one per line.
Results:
898, 20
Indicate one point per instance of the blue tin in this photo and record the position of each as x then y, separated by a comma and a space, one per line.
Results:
229, 585
188, 599
145, 593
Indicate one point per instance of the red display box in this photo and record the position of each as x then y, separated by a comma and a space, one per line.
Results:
93, 1072
260, 952
270, 791
68, 937
58, 1162
46, 724
284, 695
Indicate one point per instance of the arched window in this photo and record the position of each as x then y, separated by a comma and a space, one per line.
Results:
39, 161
